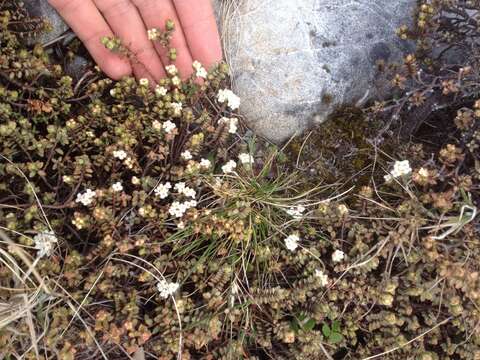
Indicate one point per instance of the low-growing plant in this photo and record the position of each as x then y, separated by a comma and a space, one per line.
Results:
138, 220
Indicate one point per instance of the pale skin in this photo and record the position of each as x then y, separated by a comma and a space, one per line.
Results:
195, 37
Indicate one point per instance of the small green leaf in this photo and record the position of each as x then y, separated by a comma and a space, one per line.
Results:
294, 326
326, 330
336, 326
335, 337
308, 325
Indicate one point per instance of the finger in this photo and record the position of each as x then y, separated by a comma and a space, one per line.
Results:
87, 22
200, 29
126, 23
155, 13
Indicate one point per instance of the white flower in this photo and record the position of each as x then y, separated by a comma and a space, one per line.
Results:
176, 81
181, 225
120, 154
232, 124
169, 126
179, 187
117, 187
160, 90
44, 242
171, 70
144, 82
423, 173
196, 65
296, 212
388, 178
189, 192
113, 92
163, 190
205, 163
156, 125
232, 100
186, 155
128, 162
229, 167
185, 190
153, 34
400, 168
166, 288
191, 204
135, 180
338, 256
201, 72
86, 198
177, 209
177, 108
323, 277
246, 159
291, 242
342, 209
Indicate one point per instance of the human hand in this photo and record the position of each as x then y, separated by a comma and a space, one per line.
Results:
195, 37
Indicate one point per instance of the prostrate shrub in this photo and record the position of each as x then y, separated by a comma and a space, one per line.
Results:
139, 221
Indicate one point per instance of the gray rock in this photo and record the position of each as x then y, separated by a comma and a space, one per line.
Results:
77, 67
295, 62
41, 8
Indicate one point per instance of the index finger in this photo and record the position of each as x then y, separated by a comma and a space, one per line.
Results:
200, 28
90, 26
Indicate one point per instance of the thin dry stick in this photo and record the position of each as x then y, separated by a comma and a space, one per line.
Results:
17, 250
325, 352
31, 327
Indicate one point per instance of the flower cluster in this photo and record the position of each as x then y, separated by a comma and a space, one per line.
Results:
205, 163
163, 190
181, 188
201, 72
169, 126
153, 34
45, 242
291, 242
229, 167
166, 288
186, 155
296, 211
400, 168
120, 154
160, 91
177, 108
227, 96
171, 70
323, 277
86, 198
338, 255
117, 187
178, 209
232, 124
